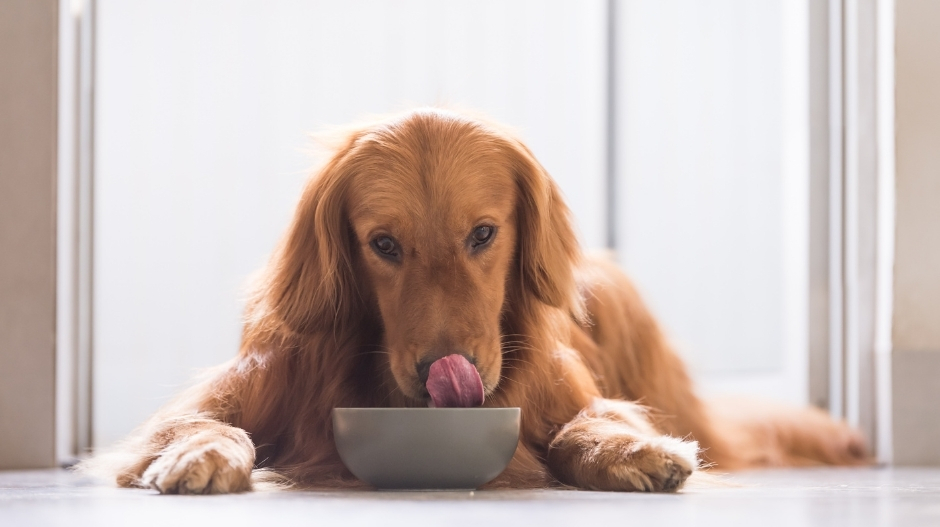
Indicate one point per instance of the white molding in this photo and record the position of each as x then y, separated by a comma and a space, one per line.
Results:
836, 403
66, 230
73, 230
86, 224
860, 229
884, 279
850, 225
795, 193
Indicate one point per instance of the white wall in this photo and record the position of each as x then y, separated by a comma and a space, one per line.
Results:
28, 87
201, 115
712, 178
916, 276
916, 303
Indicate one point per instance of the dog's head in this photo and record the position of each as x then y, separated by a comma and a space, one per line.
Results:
436, 227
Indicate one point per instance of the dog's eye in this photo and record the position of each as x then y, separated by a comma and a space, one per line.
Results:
385, 246
481, 235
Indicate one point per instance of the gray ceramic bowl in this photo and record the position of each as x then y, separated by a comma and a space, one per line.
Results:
426, 448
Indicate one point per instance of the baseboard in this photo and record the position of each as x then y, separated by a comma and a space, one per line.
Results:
916, 407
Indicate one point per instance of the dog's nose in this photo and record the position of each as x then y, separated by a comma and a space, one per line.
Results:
423, 366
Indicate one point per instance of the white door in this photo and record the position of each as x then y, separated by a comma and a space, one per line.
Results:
712, 178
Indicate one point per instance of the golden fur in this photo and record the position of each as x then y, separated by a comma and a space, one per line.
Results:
332, 322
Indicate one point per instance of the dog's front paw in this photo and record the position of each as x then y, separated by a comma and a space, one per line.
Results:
205, 463
658, 464
609, 456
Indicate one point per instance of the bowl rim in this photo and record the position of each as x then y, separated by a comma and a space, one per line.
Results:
385, 409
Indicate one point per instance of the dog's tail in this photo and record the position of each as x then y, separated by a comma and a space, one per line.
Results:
769, 434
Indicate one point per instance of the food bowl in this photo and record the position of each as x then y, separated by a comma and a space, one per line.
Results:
426, 448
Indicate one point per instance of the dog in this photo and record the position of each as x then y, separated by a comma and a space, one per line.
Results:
432, 260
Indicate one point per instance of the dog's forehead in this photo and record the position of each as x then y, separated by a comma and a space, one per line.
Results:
449, 200
447, 178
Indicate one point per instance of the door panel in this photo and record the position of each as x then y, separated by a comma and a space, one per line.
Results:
712, 179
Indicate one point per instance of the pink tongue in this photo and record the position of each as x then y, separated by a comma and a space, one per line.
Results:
454, 382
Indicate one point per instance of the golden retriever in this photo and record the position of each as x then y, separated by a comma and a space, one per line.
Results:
433, 245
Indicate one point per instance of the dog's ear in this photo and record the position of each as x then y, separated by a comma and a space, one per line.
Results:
548, 251
309, 284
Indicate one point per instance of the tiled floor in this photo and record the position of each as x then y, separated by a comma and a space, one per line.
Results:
830, 497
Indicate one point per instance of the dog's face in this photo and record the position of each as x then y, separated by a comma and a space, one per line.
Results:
433, 211
446, 226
